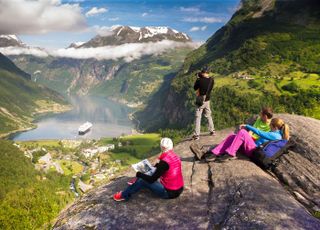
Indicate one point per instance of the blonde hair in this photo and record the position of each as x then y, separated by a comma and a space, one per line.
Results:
280, 125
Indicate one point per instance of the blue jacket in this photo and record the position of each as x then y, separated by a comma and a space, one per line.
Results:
265, 136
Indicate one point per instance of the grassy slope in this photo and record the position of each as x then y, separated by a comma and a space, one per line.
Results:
135, 147
20, 99
28, 199
280, 47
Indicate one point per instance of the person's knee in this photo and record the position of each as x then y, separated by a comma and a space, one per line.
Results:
207, 114
140, 181
242, 132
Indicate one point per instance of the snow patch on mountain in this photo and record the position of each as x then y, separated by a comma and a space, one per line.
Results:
11, 36
11, 40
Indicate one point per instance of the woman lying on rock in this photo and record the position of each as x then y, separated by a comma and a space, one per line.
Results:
168, 170
244, 141
262, 123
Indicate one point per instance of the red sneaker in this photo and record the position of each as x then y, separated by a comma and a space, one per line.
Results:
118, 196
132, 181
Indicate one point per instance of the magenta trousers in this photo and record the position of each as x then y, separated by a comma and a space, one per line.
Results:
234, 142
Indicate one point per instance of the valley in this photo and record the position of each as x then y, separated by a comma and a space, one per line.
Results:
135, 85
39, 178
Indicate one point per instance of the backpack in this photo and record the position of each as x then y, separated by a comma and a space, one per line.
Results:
200, 99
265, 155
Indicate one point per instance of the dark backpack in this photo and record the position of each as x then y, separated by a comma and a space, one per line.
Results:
265, 155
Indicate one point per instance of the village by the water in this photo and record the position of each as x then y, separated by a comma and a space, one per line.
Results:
88, 161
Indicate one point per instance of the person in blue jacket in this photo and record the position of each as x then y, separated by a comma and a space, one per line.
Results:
244, 142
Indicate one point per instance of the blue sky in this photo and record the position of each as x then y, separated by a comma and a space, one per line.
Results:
65, 21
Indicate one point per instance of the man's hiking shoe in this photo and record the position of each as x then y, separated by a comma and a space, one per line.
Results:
196, 137
210, 157
213, 133
225, 157
118, 196
132, 181
196, 151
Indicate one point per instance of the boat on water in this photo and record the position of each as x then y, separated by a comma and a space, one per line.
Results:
84, 128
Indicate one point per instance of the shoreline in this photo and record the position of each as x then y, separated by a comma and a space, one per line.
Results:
38, 115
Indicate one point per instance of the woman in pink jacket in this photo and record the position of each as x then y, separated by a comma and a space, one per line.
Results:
168, 171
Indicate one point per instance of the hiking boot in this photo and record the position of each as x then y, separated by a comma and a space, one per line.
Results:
196, 151
210, 157
196, 137
213, 133
118, 196
226, 157
132, 181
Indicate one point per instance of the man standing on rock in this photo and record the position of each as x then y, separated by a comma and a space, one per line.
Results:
203, 85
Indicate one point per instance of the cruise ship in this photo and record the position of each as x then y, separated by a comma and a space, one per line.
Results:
84, 128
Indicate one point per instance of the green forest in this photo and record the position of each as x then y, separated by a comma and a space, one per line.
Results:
29, 199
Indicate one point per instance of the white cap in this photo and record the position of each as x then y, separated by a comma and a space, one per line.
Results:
166, 144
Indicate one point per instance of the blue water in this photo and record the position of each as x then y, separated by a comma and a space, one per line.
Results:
109, 119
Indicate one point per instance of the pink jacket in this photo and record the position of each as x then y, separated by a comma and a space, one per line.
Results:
172, 179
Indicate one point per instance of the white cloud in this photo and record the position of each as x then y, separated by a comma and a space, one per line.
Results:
103, 30
189, 9
144, 14
128, 52
95, 11
114, 19
204, 19
203, 28
197, 28
22, 50
42, 16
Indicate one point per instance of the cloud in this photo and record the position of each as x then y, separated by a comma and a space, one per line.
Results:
95, 11
128, 52
23, 50
144, 14
114, 19
197, 28
189, 9
38, 17
204, 20
104, 31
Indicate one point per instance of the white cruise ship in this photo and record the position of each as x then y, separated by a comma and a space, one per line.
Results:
84, 128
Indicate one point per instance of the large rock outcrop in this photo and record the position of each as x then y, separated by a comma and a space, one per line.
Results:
234, 194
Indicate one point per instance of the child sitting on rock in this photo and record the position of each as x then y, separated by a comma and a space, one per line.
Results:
168, 170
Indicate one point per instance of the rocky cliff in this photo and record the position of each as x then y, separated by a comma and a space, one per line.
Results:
235, 194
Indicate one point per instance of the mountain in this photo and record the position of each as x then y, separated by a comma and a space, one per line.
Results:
131, 82
267, 54
126, 34
10, 40
21, 99
7, 64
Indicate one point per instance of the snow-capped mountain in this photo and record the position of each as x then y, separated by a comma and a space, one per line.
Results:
127, 34
11, 40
